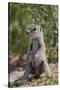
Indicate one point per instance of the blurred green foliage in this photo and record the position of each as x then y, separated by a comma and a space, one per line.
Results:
22, 14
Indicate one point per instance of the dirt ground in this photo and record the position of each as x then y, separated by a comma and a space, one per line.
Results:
17, 70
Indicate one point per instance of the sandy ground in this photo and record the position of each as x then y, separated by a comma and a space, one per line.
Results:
19, 73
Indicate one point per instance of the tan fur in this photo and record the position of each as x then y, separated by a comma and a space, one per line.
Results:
40, 54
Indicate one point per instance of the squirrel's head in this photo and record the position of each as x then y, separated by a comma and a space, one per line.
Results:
34, 30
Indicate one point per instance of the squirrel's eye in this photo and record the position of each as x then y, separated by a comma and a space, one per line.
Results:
40, 29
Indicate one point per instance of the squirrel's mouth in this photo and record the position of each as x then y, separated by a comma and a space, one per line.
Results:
31, 30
